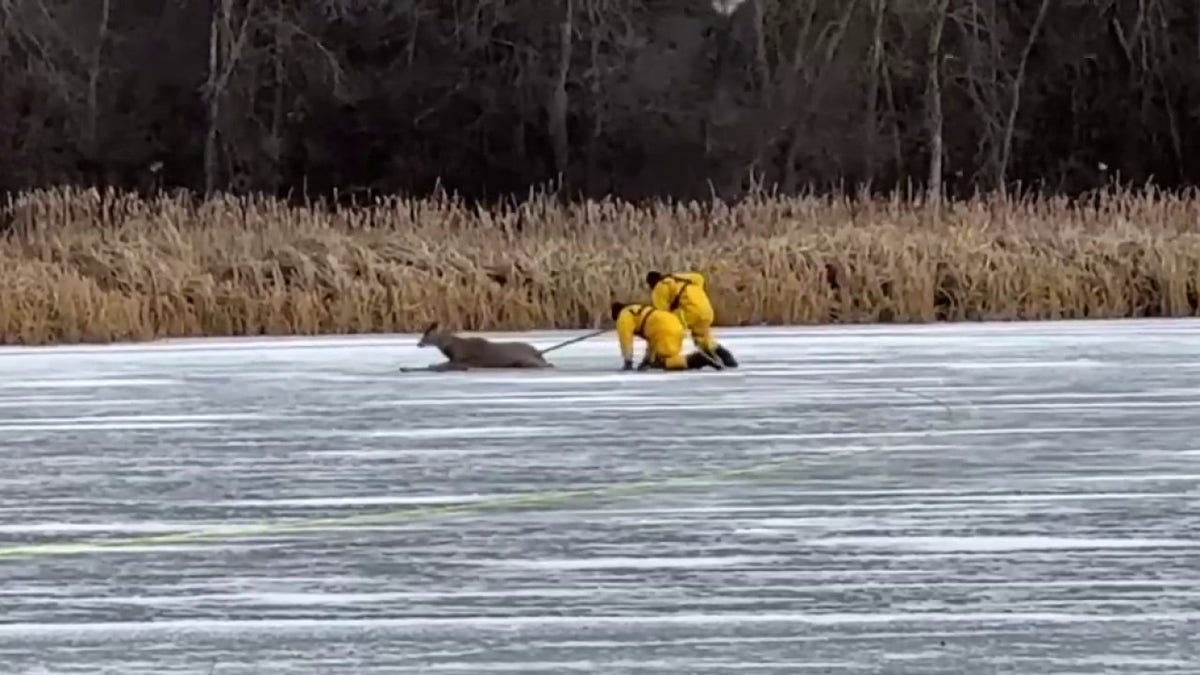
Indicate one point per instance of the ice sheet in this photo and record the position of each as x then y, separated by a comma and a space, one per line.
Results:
1001, 498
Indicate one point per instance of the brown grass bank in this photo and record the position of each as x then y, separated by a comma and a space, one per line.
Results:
82, 266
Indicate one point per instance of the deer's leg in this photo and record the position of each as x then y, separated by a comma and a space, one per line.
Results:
447, 365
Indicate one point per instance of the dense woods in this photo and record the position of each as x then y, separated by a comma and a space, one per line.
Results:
681, 98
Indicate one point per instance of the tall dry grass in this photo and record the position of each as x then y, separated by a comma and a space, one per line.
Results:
78, 265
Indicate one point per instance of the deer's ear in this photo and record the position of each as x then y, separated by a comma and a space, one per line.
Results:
432, 327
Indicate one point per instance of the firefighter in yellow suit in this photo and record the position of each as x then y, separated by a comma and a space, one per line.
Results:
683, 293
663, 333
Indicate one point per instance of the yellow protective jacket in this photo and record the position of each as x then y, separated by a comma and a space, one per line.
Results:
683, 293
662, 331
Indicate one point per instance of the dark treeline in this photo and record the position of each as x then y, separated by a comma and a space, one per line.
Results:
638, 98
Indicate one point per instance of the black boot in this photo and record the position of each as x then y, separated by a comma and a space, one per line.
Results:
698, 360
726, 357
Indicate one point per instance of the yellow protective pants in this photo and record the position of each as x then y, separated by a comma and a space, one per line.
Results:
698, 318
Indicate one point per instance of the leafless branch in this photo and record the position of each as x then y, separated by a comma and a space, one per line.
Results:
1018, 81
93, 113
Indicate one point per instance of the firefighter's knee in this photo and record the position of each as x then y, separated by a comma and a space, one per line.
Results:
675, 362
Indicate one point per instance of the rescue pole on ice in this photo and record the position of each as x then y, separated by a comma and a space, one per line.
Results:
573, 340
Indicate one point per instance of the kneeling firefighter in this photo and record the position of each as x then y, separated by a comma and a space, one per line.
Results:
663, 333
683, 293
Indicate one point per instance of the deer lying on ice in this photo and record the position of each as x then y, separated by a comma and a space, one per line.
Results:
476, 352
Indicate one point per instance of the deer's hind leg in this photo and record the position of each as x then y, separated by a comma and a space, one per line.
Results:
532, 362
435, 368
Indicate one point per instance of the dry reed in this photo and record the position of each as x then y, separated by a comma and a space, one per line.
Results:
85, 266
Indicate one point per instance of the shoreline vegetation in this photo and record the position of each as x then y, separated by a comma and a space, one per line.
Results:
81, 265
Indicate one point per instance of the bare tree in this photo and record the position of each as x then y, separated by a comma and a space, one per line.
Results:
933, 102
1010, 123
642, 99
93, 84
226, 44
559, 103
874, 66
810, 71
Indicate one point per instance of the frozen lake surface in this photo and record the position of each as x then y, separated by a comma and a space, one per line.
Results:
959, 499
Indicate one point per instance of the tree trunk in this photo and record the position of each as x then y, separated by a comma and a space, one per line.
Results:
212, 92
280, 84
90, 142
871, 123
933, 104
558, 99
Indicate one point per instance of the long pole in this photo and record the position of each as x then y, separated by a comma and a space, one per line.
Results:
573, 340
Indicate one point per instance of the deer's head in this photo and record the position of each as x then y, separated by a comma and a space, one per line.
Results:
431, 337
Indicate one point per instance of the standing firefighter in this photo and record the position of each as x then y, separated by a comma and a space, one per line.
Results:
663, 333
683, 293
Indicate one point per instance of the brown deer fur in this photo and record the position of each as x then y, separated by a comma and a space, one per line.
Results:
463, 353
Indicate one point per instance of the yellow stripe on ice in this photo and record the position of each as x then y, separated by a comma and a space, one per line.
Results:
395, 516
